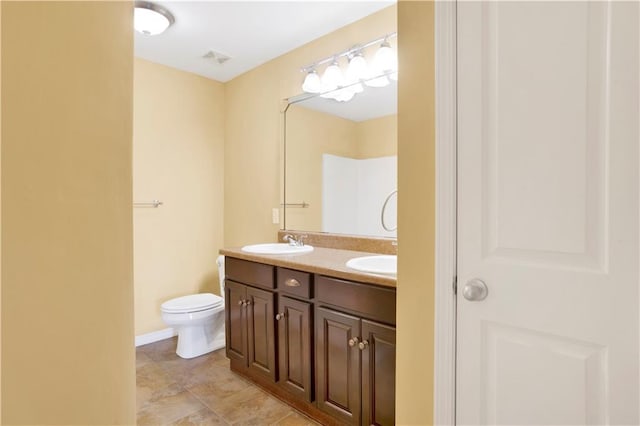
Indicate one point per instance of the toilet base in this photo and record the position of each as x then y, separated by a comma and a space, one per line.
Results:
192, 351
199, 340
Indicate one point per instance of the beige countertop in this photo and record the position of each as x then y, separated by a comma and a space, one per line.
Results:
325, 261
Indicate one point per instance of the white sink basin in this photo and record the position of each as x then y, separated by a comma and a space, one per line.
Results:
380, 264
276, 248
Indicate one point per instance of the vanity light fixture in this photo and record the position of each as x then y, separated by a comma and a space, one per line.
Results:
342, 87
151, 19
312, 83
332, 77
357, 69
385, 58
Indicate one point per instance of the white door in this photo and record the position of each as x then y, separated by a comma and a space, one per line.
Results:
548, 212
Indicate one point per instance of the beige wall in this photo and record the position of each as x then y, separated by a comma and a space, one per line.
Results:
253, 128
309, 135
377, 137
67, 293
416, 214
178, 158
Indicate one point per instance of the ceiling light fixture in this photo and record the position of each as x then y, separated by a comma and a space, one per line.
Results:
343, 86
151, 19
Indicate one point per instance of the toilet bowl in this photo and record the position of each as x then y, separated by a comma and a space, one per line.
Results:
198, 320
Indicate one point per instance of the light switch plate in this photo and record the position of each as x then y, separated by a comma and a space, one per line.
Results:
275, 216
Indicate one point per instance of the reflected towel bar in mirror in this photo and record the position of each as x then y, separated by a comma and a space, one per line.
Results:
302, 205
149, 204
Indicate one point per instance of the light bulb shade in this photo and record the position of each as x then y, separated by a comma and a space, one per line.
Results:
357, 69
151, 19
344, 94
385, 58
332, 78
357, 88
381, 81
312, 83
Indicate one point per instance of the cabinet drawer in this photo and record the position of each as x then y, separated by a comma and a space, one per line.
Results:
256, 274
293, 282
372, 302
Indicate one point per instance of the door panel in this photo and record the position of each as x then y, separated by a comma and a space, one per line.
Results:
236, 320
338, 369
294, 337
548, 212
261, 332
378, 374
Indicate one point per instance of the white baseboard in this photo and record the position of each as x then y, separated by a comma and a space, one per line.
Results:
155, 336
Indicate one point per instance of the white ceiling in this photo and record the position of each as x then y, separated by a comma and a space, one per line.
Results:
250, 32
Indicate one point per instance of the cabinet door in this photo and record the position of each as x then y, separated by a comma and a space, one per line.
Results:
261, 332
338, 369
294, 340
378, 373
236, 320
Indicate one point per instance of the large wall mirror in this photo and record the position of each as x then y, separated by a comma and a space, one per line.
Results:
340, 163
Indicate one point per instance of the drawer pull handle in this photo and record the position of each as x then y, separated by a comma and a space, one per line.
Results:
353, 342
292, 282
363, 345
280, 316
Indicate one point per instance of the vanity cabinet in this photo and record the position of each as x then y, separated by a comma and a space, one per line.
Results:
325, 345
355, 355
250, 316
295, 332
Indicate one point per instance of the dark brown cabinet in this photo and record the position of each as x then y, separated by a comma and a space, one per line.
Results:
294, 344
338, 357
325, 345
236, 321
356, 368
378, 373
250, 329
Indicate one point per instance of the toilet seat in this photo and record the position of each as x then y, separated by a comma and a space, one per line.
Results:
192, 303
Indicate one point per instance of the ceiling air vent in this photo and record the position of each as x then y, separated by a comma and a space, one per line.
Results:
216, 57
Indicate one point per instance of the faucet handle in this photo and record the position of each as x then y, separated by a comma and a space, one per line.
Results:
301, 239
289, 238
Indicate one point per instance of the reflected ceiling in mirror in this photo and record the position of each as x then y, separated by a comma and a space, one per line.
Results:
341, 162
372, 102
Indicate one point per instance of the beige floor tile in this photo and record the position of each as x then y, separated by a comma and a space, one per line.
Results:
201, 391
168, 406
204, 417
250, 405
218, 387
295, 419
142, 359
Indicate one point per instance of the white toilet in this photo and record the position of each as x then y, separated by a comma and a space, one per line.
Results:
198, 319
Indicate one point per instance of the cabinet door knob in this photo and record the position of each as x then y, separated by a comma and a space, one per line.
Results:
353, 342
240, 302
292, 282
280, 316
247, 302
363, 345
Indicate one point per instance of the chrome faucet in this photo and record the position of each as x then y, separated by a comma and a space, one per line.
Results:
294, 240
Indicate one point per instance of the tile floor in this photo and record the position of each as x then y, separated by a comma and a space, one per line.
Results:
202, 391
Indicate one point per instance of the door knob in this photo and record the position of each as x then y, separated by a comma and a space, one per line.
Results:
363, 345
475, 290
353, 342
279, 316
